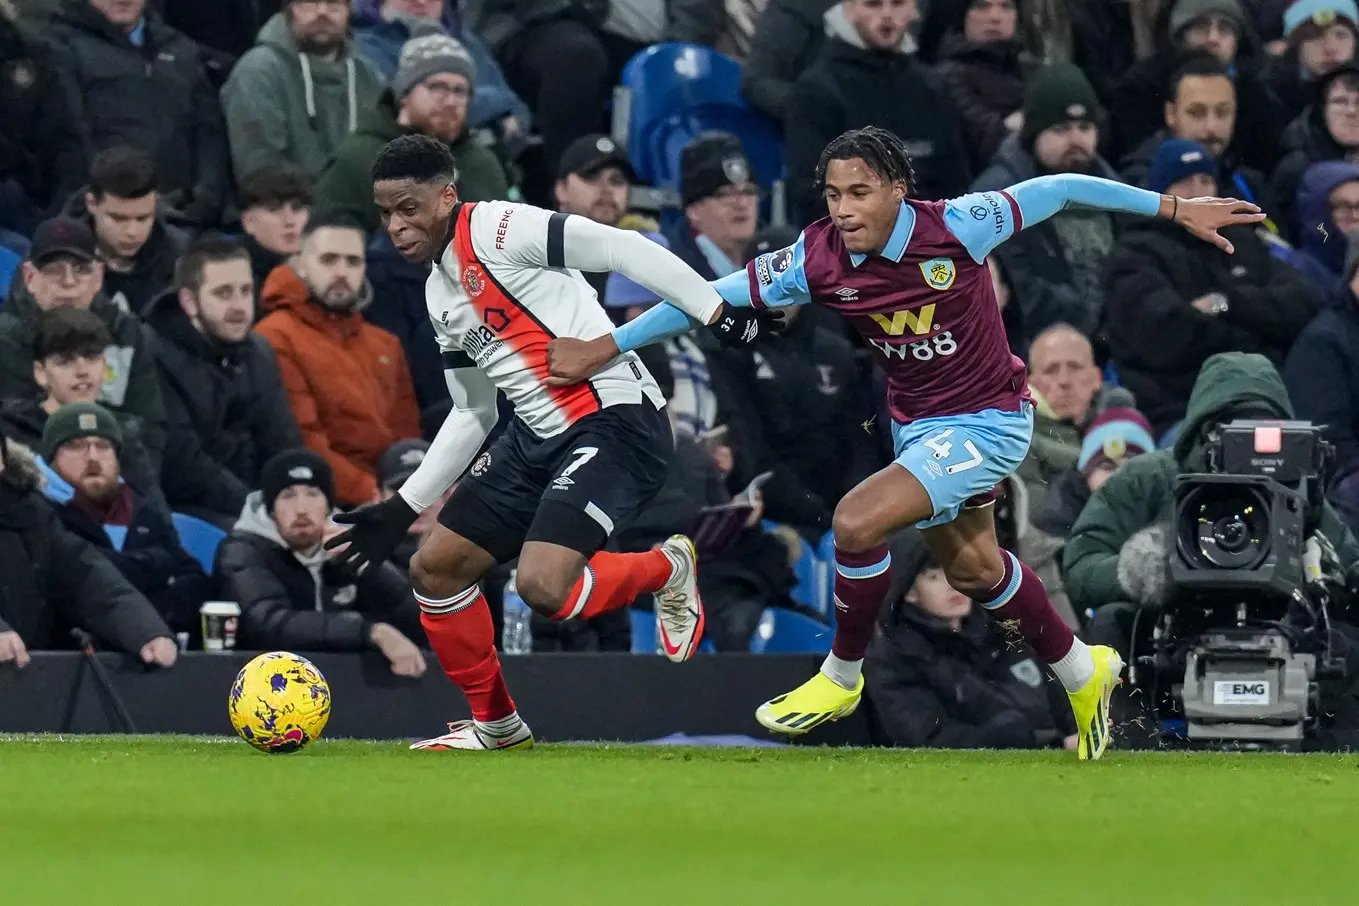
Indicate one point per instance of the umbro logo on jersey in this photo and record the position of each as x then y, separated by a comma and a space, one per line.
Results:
751, 330
561, 484
847, 294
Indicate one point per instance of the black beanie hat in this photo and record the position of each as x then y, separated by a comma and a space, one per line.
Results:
1057, 94
299, 466
711, 162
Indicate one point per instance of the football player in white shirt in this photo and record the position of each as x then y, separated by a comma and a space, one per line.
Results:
573, 463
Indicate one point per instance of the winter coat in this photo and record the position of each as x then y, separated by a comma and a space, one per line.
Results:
849, 87
399, 307
286, 106
146, 551
131, 381
226, 409
1322, 376
1137, 105
41, 146
930, 686
153, 270
1117, 550
25, 418
262, 264
986, 83
787, 40
812, 406
1159, 341
1320, 249
305, 602
155, 97
380, 41
51, 579
346, 185
1041, 274
1306, 141
347, 383
1235, 182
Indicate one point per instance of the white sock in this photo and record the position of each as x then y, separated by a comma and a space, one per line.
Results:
504, 728
844, 674
1076, 666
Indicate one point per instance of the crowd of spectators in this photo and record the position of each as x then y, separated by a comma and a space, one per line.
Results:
203, 316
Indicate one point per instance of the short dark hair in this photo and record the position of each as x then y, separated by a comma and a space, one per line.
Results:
881, 150
421, 158
70, 332
123, 173
273, 185
210, 248
332, 220
1200, 64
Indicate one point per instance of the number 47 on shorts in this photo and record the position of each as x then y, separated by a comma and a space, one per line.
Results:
943, 448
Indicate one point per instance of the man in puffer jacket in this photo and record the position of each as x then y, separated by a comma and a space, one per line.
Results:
298, 92
291, 596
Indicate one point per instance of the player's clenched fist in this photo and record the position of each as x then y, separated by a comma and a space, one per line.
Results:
570, 361
13, 650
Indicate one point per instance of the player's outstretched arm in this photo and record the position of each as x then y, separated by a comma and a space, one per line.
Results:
377, 528
983, 220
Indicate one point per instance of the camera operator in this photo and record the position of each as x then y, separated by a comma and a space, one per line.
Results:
1117, 558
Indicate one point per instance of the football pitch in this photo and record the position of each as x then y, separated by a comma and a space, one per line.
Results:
95, 820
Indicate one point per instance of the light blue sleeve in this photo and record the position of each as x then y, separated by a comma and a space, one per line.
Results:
983, 220
780, 276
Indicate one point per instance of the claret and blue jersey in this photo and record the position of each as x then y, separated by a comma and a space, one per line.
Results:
956, 393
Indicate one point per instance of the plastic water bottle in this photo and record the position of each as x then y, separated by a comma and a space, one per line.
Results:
518, 635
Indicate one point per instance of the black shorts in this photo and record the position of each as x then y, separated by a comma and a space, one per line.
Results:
572, 489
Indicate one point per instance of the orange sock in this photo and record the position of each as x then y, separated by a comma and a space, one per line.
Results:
463, 638
611, 581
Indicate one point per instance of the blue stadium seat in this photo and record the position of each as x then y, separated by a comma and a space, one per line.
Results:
643, 631
670, 93
200, 539
789, 632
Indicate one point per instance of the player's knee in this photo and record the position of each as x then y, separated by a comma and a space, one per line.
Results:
854, 529
974, 573
432, 579
543, 590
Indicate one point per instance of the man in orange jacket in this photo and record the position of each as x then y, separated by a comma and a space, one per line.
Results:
347, 380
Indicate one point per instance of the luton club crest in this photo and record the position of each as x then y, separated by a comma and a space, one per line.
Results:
939, 273
474, 281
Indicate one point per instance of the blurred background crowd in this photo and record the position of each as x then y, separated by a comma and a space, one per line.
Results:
208, 345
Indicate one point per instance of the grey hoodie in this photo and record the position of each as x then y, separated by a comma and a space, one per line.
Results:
255, 520
283, 105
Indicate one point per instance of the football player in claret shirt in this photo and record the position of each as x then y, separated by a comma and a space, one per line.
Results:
911, 276
504, 280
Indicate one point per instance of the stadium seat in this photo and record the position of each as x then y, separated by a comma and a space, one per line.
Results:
643, 631
670, 93
200, 539
788, 632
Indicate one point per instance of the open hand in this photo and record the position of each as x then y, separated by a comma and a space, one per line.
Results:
1205, 216
571, 360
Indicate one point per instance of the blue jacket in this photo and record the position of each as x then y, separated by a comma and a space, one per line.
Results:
380, 41
1320, 252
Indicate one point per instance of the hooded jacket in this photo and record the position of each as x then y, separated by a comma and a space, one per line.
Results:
347, 382
284, 105
155, 96
1036, 260
986, 82
850, 86
346, 186
1306, 141
131, 382
227, 412
1320, 250
51, 579
303, 602
152, 270
41, 146
1117, 550
1159, 340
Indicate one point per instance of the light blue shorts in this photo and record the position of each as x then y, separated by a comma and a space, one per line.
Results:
957, 457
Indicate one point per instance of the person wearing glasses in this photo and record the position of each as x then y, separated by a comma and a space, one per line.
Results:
721, 205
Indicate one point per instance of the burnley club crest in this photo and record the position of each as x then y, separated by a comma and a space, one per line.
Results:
939, 273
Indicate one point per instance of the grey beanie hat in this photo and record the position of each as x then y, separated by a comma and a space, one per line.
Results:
429, 55
1185, 12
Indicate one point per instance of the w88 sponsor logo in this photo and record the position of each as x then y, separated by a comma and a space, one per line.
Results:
941, 344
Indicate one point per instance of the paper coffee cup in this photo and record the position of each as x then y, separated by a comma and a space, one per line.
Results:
219, 624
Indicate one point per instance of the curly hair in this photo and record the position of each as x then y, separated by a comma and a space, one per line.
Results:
882, 151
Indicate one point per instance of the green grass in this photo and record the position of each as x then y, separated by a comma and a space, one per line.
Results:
173, 820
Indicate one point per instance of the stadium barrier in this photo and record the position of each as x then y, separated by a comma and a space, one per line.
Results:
608, 697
